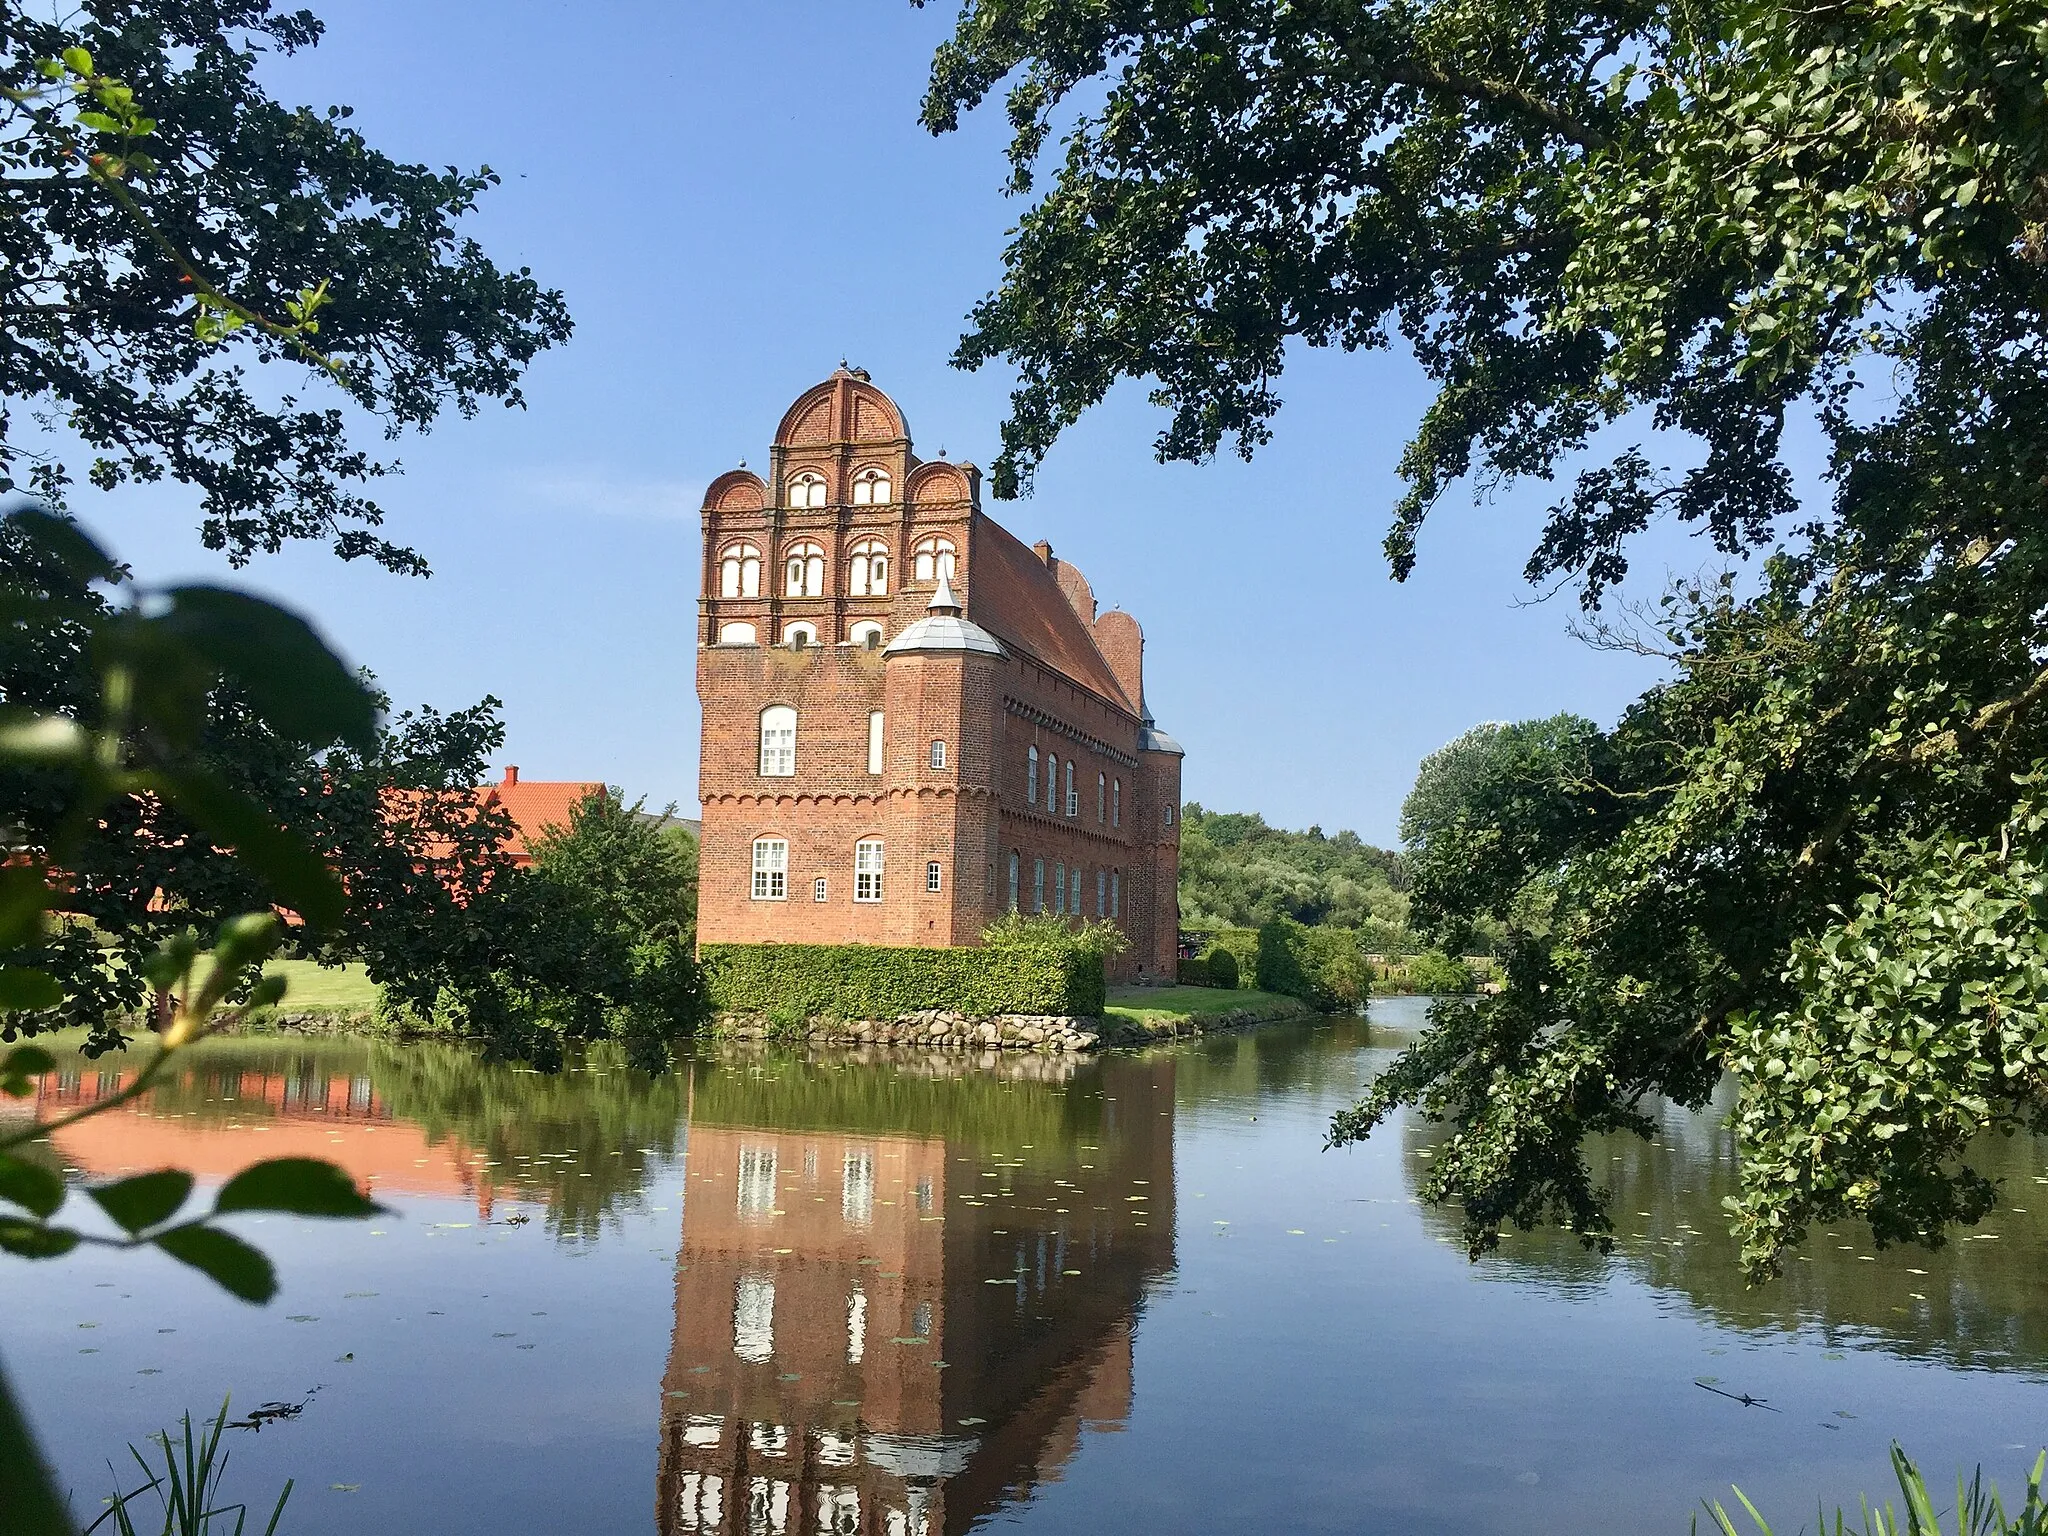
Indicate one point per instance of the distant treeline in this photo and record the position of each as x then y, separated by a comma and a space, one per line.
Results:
1237, 872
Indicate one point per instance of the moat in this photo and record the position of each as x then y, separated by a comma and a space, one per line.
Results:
884, 1292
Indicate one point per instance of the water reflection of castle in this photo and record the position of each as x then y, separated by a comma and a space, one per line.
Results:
890, 1331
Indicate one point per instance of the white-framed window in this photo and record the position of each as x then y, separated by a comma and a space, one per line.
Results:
1116, 892
938, 757
1102, 893
874, 741
1031, 777
739, 570
868, 573
1059, 887
1101, 798
771, 869
866, 633
1073, 795
797, 636
803, 570
1038, 885
867, 869
807, 490
934, 877
1116, 802
778, 741
871, 488
820, 891
736, 633
1166, 810
932, 558
1014, 862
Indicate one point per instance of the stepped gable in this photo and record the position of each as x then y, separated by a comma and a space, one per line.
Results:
1017, 597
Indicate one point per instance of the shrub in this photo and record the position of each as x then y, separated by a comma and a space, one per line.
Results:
1016, 972
1221, 967
1435, 971
1193, 973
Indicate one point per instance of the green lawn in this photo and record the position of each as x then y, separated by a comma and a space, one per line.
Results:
1150, 1005
316, 986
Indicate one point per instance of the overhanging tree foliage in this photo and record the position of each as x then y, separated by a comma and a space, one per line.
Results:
1812, 856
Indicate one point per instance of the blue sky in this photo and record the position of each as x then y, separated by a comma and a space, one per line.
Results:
735, 198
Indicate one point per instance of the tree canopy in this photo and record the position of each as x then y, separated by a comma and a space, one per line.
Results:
1810, 857
1238, 872
170, 224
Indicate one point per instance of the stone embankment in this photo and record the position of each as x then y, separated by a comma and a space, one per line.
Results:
1054, 1034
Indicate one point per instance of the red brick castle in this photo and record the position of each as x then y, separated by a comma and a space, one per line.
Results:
913, 722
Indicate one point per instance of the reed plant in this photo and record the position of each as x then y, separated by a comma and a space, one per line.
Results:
186, 1487
1979, 1511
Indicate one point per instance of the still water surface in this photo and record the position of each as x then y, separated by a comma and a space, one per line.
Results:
891, 1293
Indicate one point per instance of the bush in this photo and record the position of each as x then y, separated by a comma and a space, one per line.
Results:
1016, 972
1193, 973
1221, 968
1435, 971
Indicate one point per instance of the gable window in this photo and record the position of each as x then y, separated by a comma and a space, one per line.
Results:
932, 559
771, 869
1101, 892
1101, 798
867, 870
1038, 885
803, 571
871, 488
1116, 803
1014, 861
1073, 795
736, 634
739, 571
874, 741
933, 876
868, 576
1031, 777
867, 633
819, 889
778, 742
938, 757
807, 490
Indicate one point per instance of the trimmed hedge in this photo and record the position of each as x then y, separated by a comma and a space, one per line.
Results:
870, 981
1223, 969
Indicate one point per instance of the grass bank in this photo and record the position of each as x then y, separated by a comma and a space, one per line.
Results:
1138, 1014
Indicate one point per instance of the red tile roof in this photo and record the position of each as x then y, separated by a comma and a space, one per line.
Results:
1011, 592
534, 805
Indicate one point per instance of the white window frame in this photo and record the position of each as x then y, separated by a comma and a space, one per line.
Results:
934, 877
771, 869
1167, 811
874, 741
821, 891
868, 864
1073, 794
778, 742
938, 756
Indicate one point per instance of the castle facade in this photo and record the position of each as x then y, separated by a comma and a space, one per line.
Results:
913, 722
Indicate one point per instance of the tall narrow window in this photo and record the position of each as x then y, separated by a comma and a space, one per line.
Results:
867, 870
874, 741
1116, 803
820, 891
1101, 798
1101, 893
933, 876
1059, 887
739, 571
1013, 879
871, 488
807, 490
868, 575
1073, 796
857, 1187
803, 570
1116, 891
1038, 885
1167, 811
932, 559
856, 1326
1074, 894
771, 869
1031, 777
938, 757
756, 1182
778, 742
1052, 784
753, 1319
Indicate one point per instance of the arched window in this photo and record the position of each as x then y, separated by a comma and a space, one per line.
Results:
1052, 784
932, 559
1014, 861
938, 757
1073, 795
771, 869
867, 633
1101, 798
1038, 885
869, 572
1102, 893
1031, 777
797, 636
1166, 810
871, 488
736, 634
807, 490
804, 571
1116, 891
739, 571
1116, 803
867, 869
778, 741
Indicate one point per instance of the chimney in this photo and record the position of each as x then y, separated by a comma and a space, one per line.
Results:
1043, 550
512, 773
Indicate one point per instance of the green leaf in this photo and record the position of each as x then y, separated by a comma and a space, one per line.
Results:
295, 874
144, 1200
299, 686
304, 1186
33, 1240
30, 1186
231, 1263
20, 1067
69, 545
25, 990
44, 739
78, 60
23, 894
